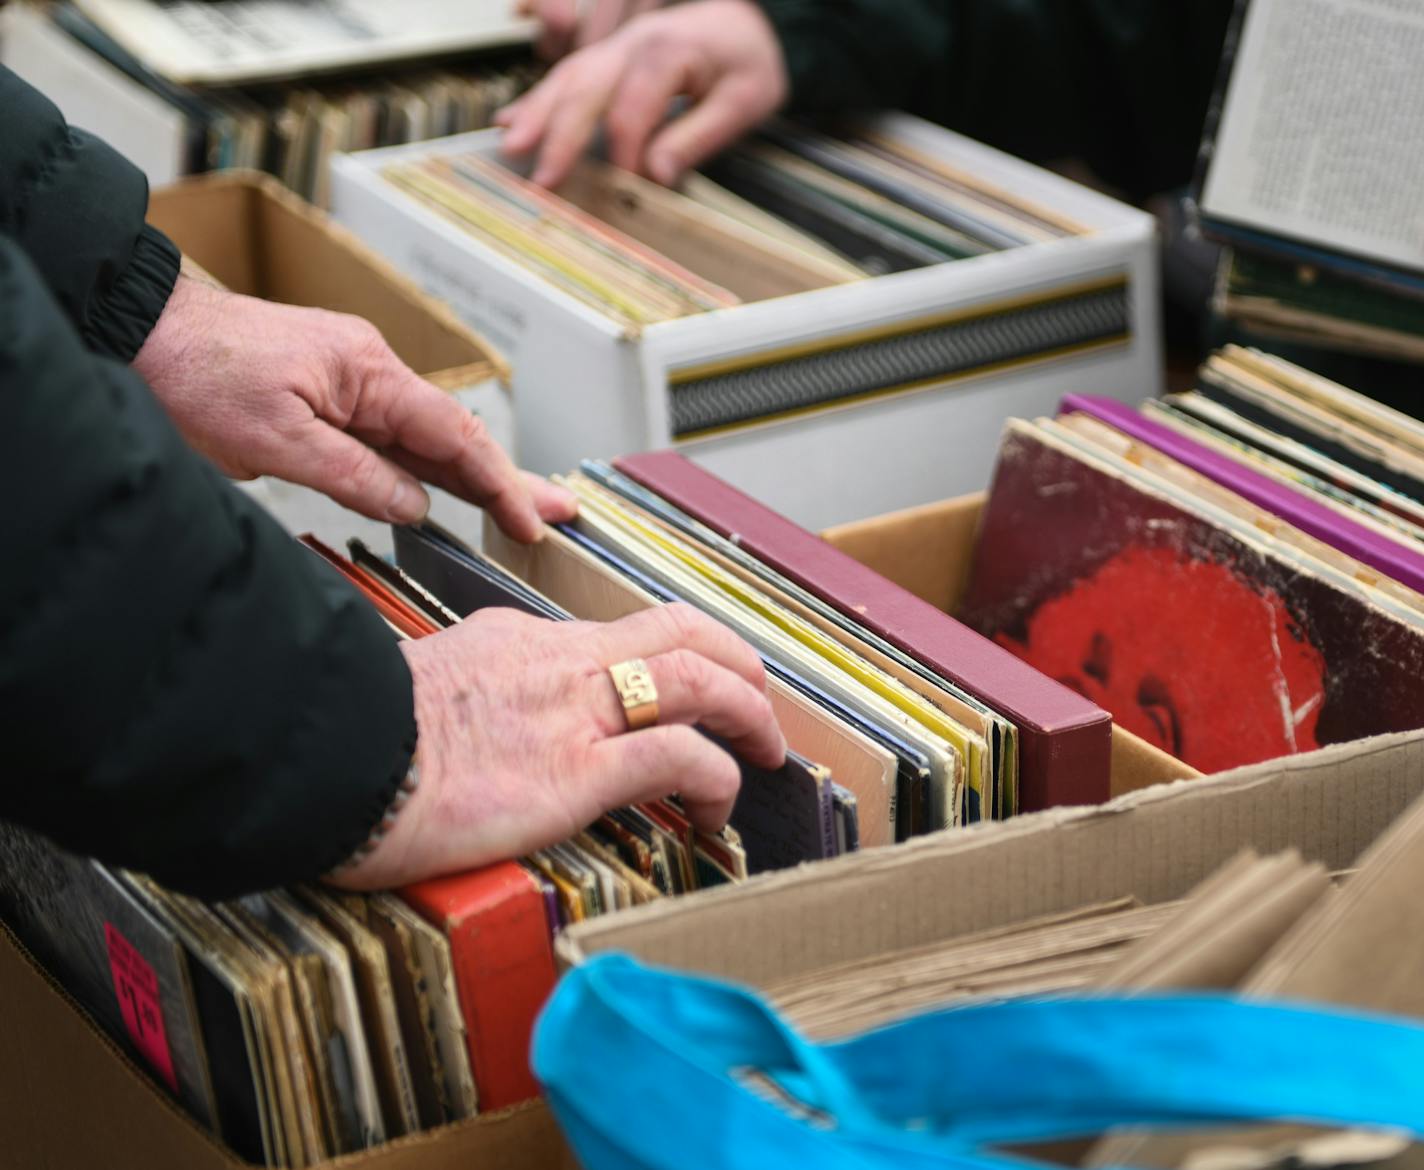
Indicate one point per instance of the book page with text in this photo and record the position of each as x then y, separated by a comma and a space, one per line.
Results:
1322, 131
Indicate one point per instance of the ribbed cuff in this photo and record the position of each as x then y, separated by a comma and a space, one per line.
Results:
119, 324
381, 803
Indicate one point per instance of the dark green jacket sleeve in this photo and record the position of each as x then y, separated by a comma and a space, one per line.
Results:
1122, 84
76, 208
184, 689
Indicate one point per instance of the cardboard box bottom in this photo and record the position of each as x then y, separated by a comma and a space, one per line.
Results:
72, 1099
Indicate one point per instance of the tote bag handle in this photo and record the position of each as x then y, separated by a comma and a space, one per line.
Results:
653, 1070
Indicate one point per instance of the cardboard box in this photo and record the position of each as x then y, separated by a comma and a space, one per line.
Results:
938, 356
928, 549
257, 238
60, 1067
1155, 845
70, 1098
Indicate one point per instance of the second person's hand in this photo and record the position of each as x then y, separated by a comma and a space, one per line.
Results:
723, 55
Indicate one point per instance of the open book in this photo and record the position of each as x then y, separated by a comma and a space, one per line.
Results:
227, 42
1314, 152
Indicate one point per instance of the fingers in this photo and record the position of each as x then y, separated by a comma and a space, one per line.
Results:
524, 119
430, 433
641, 103
629, 769
585, 84
352, 474
724, 55
694, 690
558, 24
555, 504
677, 627
558, 116
727, 112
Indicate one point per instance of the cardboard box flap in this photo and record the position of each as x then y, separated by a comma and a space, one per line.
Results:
259, 239
1154, 845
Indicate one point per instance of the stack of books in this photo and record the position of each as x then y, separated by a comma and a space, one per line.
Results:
281, 87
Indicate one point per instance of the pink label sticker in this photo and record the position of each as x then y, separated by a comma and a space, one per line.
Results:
136, 986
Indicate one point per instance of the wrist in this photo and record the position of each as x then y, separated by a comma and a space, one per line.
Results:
190, 313
190, 269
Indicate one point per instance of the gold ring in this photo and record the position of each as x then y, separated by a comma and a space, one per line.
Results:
634, 683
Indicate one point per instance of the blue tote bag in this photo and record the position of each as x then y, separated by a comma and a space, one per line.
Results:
649, 1070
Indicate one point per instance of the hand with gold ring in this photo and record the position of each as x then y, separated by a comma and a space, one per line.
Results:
529, 730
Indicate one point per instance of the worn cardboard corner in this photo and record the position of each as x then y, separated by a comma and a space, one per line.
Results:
1154, 845
257, 238
72, 1098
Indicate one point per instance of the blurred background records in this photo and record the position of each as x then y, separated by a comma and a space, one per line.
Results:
274, 85
225, 42
791, 211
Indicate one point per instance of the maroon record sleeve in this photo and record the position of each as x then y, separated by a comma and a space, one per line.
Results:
1065, 741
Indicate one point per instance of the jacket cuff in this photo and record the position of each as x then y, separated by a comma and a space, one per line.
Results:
120, 323
372, 812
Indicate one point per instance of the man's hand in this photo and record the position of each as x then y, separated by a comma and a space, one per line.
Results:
723, 55
523, 740
319, 399
563, 28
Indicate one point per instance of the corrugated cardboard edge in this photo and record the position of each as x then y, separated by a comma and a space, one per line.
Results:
453, 379
845, 881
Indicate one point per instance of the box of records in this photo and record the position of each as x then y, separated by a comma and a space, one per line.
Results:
837, 325
148, 1014
295, 1026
